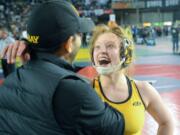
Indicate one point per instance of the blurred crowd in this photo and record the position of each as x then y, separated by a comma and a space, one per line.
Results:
91, 8
147, 35
13, 16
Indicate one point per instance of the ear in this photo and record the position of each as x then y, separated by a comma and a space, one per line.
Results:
69, 44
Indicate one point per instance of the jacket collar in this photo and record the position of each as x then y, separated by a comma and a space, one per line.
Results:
55, 60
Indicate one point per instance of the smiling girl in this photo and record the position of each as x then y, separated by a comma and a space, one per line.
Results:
111, 53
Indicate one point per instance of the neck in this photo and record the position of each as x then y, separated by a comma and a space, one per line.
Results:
115, 79
64, 55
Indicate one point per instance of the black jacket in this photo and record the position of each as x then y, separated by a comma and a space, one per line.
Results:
45, 97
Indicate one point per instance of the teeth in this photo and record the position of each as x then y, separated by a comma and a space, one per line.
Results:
103, 59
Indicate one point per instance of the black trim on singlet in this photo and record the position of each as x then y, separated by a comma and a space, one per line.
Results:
129, 91
94, 83
140, 96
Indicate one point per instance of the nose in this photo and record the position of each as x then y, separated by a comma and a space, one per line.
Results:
103, 49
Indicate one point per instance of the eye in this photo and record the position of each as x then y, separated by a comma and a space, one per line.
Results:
97, 47
110, 46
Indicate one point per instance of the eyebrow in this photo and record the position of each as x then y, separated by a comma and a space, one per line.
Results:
106, 42
110, 42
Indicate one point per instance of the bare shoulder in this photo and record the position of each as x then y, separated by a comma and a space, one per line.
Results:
141, 84
147, 91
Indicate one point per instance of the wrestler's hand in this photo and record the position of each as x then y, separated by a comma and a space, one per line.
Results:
17, 49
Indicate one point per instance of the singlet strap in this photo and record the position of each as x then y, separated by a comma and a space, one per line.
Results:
138, 92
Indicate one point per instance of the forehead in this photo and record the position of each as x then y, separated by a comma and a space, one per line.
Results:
108, 37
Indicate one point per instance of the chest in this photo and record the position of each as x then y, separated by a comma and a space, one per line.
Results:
129, 104
115, 95
133, 111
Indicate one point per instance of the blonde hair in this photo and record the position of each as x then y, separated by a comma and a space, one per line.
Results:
127, 48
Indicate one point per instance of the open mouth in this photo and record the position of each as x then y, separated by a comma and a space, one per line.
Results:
104, 62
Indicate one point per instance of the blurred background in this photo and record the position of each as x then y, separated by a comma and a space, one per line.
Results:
154, 26
143, 16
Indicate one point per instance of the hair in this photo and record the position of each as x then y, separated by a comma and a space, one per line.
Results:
126, 48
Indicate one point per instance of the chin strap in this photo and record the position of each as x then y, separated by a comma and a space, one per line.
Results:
110, 69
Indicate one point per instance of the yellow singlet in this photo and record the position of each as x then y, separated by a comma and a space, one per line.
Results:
132, 108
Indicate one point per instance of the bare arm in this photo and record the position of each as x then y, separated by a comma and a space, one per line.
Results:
157, 109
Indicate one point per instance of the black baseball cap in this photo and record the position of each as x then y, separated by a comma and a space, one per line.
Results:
53, 22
